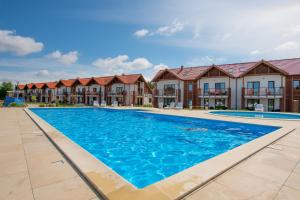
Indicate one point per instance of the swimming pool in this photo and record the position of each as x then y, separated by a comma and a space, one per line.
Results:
269, 115
145, 148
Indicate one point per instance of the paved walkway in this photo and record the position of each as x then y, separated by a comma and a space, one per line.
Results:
272, 173
31, 167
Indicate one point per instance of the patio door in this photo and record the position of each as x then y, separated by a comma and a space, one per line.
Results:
205, 89
271, 88
253, 87
271, 104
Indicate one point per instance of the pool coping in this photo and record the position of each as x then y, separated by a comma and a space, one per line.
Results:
260, 118
112, 186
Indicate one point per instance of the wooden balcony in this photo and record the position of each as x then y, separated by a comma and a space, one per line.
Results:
213, 93
263, 92
167, 93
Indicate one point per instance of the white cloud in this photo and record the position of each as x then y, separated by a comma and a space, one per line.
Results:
121, 63
255, 52
19, 45
206, 60
226, 36
171, 29
292, 31
43, 72
66, 59
288, 46
168, 30
141, 33
160, 67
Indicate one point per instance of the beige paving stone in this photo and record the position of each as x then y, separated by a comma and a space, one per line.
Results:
297, 168
10, 153
287, 193
48, 169
215, 191
249, 185
35, 148
71, 189
12, 167
290, 152
271, 166
15, 186
10, 140
293, 181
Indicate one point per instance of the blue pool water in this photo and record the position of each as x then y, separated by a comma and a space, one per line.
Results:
143, 147
258, 114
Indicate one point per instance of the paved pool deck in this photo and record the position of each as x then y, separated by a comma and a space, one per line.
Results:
32, 168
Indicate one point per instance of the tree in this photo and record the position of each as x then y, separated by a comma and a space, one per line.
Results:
4, 87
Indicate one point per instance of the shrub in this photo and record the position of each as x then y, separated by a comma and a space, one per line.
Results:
14, 104
149, 105
42, 105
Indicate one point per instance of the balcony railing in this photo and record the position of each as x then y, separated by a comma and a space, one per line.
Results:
263, 92
117, 93
213, 92
167, 93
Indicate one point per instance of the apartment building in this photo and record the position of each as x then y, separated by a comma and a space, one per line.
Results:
126, 90
275, 84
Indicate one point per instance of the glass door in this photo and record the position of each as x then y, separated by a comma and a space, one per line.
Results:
271, 104
271, 88
206, 88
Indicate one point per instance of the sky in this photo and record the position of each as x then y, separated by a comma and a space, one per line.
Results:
47, 40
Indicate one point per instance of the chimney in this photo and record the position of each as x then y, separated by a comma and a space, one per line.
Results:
181, 68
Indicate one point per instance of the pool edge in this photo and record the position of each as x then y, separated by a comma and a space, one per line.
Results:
113, 186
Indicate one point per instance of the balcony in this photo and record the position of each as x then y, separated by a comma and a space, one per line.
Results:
167, 93
213, 93
91, 93
262, 92
117, 93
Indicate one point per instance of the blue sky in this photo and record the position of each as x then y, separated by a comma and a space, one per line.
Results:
50, 40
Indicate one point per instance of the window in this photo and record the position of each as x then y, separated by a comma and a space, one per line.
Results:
190, 102
94, 89
296, 84
119, 90
190, 87
206, 88
169, 89
253, 88
220, 86
271, 87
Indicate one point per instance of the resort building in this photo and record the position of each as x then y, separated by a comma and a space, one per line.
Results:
122, 90
275, 84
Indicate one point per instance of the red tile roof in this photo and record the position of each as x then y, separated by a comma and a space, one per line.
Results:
103, 80
129, 79
30, 85
67, 83
286, 66
51, 85
84, 81
21, 86
39, 85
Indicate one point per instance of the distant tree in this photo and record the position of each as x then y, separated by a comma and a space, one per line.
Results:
4, 87
151, 85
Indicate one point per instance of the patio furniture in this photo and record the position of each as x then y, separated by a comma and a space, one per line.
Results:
96, 104
103, 104
179, 106
259, 107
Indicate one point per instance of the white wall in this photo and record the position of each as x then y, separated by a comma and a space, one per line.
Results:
178, 85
